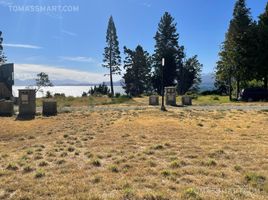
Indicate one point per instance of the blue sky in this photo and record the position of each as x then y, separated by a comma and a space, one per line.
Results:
69, 45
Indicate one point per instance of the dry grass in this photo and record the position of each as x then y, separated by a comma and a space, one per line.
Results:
144, 154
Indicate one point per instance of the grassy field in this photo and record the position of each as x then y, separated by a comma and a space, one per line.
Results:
85, 101
136, 154
95, 101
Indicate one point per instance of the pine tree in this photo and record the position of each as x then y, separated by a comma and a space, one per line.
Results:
262, 65
224, 70
137, 79
167, 47
112, 59
3, 58
237, 56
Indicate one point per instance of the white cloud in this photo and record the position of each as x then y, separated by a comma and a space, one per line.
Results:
78, 59
68, 32
6, 3
25, 46
146, 4
29, 71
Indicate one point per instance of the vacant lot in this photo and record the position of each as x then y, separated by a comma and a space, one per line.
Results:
136, 154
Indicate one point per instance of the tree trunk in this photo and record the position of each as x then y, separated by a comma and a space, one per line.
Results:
265, 82
230, 88
237, 88
111, 81
111, 71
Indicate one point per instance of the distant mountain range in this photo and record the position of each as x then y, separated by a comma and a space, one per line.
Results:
207, 82
62, 83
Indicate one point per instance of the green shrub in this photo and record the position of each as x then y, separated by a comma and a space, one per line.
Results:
40, 174
30, 151
192, 95
175, 164
12, 166
96, 179
84, 94
211, 163
255, 179
191, 193
114, 168
96, 163
101, 89
60, 162
43, 164
237, 168
48, 94
215, 98
117, 95
28, 169
166, 173
159, 147
71, 149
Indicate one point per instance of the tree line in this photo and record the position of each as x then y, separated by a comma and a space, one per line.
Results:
243, 58
143, 71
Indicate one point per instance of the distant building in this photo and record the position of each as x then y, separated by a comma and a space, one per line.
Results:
6, 80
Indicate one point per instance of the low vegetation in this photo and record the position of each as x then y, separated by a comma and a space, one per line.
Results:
120, 153
63, 101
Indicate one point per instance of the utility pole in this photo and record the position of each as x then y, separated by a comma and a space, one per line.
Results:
162, 90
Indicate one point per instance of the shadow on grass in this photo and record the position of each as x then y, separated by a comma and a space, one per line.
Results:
25, 117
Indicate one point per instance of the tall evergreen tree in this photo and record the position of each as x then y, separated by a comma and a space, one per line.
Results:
137, 78
190, 76
3, 58
224, 69
237, 56
167, 47
112, 59
262, 64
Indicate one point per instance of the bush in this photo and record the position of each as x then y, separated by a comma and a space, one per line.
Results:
28, 169
101, 89
174, 164
117, 95
48, 94
192, 95
43, 164
84, 94
96, 163
210, 92
166, 173
114, 169
125, 96
191, 193
12, 166
215, 98
59, 95
39, 174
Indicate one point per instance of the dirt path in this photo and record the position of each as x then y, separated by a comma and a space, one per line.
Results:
169, 108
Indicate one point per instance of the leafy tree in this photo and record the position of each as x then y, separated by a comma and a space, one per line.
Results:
137, 78
42, 80
262, 64
190, 76
3, 58
237, 57
167, 47
112, 59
